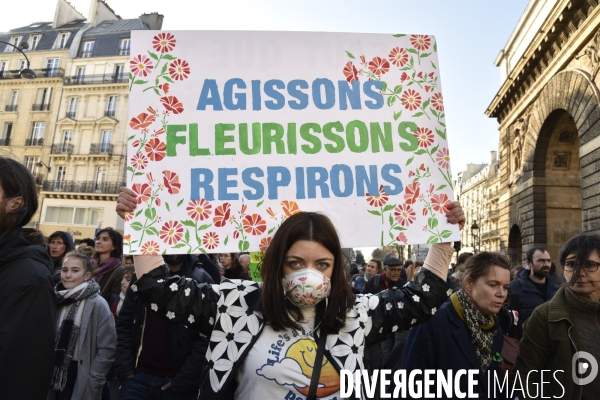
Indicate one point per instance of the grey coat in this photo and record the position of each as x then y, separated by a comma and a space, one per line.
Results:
96, 349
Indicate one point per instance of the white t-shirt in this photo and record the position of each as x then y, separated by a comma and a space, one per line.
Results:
279, 366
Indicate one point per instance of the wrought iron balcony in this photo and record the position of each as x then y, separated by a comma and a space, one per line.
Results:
5, 142
40, 72
493, 213
82, 187
124, 52
34, 142
11, 107
62, 148
71, 114
110, 113
491, 234
39, 178
494, 194
40, 107
101, 148
96, 79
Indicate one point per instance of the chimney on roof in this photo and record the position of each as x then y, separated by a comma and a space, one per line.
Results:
65, 13
100, 12
152, 20
494, 155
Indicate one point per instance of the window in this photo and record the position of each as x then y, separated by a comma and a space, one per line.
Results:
66, 142
124, 48
61, 41
3, 69
33, 42
15, 42
119, 71
100, 178
59, 215
52, 67
37, 133
42, 102
111, 107
31, 164
22, 64
105, 141
13, 101
61, 172
80, 74
88, 49
6, 132
72, 108
73, 215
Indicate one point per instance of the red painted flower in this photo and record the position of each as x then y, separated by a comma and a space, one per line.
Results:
431, 188
243, 209
420, 74
151, 111
404, 77
141, 66
290, 207
157, 202
401, 238
142, 121
437, 101
127, 239
199, 210
404, 214
440, 202
264, 243
271, 213
422, 167
143, 192
379, 199
164, 42
164, 87
236, 234
210, 240
171, 181
129, 216
155, 149
350, 72
411, 100
425, 137
425, 212
431, 75
139, 161
172, 104
411, 193
150, 248
420, 42
179, 69
427, 88
398, 56
171, 232
379, 66
443, 158
159, 132
411, 174
222, 214
136, 143
254, 224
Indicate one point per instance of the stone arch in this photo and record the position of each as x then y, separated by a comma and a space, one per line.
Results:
515, 247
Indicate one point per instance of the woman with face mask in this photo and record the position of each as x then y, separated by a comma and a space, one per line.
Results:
302, 322
464, 333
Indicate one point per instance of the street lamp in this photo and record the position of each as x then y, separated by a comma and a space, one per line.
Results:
475, 234
41, 164
25, 73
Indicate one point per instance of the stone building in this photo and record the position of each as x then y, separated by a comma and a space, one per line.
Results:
74, 137
549, 122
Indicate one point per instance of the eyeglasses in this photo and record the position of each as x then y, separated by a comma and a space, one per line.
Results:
590, 266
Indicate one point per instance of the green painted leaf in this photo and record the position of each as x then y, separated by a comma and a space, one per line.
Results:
180, 202
420, 151
169, 57
389, 101
374, 212
260, 203
399, 35
404, 69
130, 168
435, 148
131, 137
130, 76
164, 68
424, 55
432, 222
442, 134
137, 214
399, 228
187, 236
226, 240
433, 65
205, 226
418, 114
432, 110
410, 83
154, 56
440, 187
178, 246
148, 213
152, 231
398, 89
409, 161
138, 174
139, 82
391, 235
156, 91
167, 207
446, 234
383, 86
136, 226
425, 104
189, 223
153, 213
388, 208
443, 124
243, 245
166, 78
432, 239
350, 55
391, 220
412, 62
412, 51
271, 230
435, 47
397, 115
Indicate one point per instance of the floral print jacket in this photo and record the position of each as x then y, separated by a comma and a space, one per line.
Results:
230, 314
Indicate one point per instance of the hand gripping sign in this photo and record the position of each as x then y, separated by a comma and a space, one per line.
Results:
230, 133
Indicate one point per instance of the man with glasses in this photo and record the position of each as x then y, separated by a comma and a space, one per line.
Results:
391, 277
533, 286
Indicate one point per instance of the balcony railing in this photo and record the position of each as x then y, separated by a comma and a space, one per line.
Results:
494, 194
62, 148
82, 186
85, 54
5, 142
71, 114
101, 148
40, 72
34, 142
40, 107
110, 113
124, 52
493, 213
95, 79
39, 178
491, 234
11, 107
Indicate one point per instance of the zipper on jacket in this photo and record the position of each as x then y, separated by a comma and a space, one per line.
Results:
137, 357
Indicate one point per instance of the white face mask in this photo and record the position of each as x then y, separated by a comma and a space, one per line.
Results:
306, 288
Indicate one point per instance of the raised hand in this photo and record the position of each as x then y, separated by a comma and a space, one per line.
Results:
126, 202
455, 214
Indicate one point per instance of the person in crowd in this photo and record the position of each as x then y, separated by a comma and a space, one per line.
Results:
87, 242
59, 244
88, 251
127, 260
391, 277
86, 338
464, 333
156, 359
358, 284
117, 301
34, 236
374, 268
535, 285
233, 268
256, 336
27, 298
109, 271
455, 279
566, 324
414, 270
245, 263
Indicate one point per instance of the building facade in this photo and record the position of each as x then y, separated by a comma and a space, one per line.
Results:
69, 125
548, 110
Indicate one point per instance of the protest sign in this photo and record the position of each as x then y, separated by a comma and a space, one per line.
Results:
230, 133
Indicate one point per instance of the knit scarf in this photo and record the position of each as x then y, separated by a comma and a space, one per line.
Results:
70, 309
481, 328
107, 266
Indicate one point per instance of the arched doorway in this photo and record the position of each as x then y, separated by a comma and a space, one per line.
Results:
515, 245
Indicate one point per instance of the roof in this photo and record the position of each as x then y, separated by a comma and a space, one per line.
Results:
123, 25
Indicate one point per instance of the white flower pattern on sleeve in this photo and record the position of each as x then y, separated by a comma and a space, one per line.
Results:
170, 314
426, 287
191, 319
173, 287
416, 298
154, 307
187, 291
134, 288
433, 310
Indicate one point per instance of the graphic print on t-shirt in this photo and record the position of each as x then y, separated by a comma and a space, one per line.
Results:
290, 364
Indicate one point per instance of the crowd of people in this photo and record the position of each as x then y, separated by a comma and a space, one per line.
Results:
84, 321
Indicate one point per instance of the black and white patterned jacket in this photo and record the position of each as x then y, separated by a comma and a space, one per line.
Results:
230, 314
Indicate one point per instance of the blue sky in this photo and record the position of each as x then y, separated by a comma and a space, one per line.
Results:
470, 35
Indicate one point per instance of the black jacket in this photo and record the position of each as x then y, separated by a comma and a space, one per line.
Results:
187, 347
528, 296
27, 318
375, 284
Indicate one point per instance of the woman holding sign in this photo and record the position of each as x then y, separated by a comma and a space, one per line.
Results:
290, 336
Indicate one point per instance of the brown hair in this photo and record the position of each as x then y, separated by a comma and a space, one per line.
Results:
318, 228
479, 265
378, 262
583, 246
16, 180
129, 270
117, 242
85, 260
